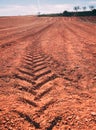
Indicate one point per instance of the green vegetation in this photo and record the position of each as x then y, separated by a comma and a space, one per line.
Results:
80, 13
76, 12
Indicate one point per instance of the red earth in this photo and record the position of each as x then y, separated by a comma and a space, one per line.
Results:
47, 73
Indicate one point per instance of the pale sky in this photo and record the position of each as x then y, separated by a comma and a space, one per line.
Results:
30, 7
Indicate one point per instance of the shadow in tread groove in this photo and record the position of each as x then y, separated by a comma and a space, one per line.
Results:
39, 69
40, 59
28, 119
30, 60
27, 73
54, 122
43, 108
38, 65
27, 63
38, 76
37, 58
43, 93
28, 68
22, 78
28, 56
45, 81
37, 61
25, 89
28, 101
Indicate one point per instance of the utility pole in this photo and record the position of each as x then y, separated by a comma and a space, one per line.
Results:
38, 2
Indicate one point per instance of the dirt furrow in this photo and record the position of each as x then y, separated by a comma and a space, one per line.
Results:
47, 74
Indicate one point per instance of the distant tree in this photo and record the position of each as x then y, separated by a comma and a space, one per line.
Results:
84, 8
94, 12
65, 12
76, 8
91, 7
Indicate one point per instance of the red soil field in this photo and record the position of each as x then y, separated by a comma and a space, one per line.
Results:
47, 73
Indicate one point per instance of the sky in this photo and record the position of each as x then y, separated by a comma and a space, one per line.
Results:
32, 7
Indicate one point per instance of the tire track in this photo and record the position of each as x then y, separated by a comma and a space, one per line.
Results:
33, 79
39, 96
35, 66
28, 119
54, 122
26, 89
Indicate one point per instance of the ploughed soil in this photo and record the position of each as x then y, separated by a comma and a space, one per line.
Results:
47, 73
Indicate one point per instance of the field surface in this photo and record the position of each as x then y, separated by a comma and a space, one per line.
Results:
47, 73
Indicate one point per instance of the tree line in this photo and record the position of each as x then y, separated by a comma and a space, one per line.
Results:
76, 8
78, 11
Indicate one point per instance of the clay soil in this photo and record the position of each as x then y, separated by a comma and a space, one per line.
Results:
47, 73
